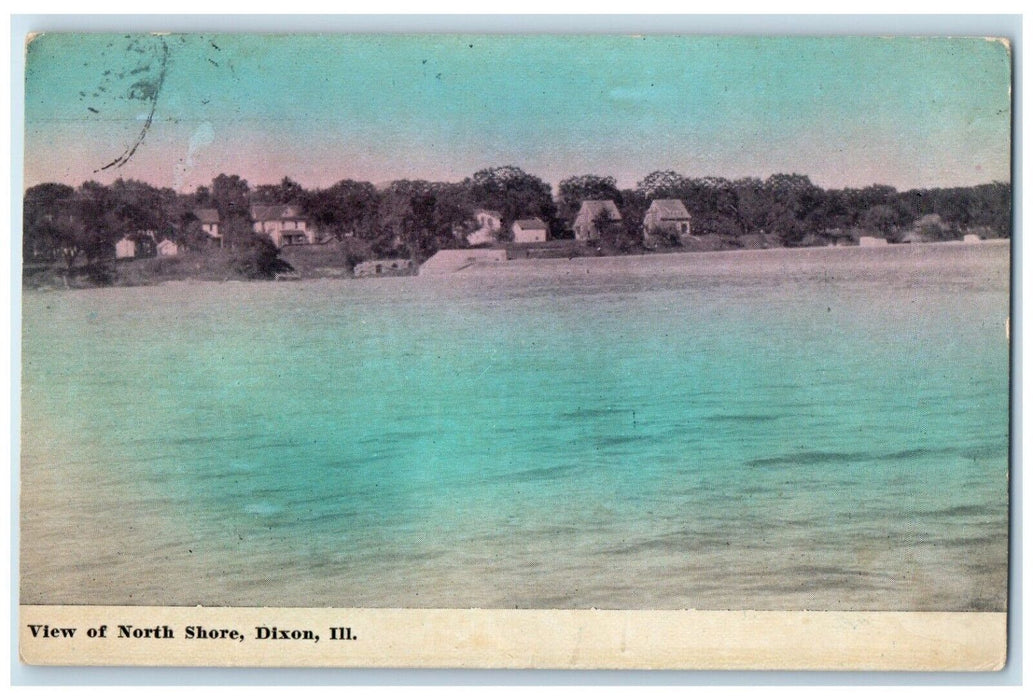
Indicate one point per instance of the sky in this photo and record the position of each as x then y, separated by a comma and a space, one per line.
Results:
848, 112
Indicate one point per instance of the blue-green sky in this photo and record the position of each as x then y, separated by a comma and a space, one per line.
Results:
320, 108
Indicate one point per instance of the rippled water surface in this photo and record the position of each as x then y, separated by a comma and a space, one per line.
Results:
822, 429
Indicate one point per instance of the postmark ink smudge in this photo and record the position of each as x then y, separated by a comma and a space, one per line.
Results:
147, 91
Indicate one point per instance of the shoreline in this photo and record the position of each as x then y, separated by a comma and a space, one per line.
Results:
675, 261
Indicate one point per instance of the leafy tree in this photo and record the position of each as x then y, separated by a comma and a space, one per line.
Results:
793, 199
346, 207
513, 193
752, 204
633, 210
881, 218
258, 258
44, 205
287, 191
662, 184
230, 195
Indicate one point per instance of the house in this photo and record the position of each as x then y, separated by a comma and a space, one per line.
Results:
283, 223
445, 262
489, 223
209, 219
167, 248
595, 215
871, 241
390, 267
139, 244
667, 218
530, 231
125, 247
971, 238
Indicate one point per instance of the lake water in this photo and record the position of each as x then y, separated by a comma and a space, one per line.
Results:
814, 429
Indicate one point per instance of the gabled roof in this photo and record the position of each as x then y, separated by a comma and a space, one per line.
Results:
592, 208
274, 212
670, 208
534, 224
207, 216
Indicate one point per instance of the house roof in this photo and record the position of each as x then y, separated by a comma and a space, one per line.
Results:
534, 224
274, 212
592, 208
670, 208
490, 212
207, 216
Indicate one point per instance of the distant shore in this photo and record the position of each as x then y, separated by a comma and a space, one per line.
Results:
308, 263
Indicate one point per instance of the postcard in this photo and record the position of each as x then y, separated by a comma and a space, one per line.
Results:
516, 351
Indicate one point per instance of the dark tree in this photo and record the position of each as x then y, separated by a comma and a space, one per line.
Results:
513, 193
345, 208
287, 191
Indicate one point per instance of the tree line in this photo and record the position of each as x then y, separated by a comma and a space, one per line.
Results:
415, 218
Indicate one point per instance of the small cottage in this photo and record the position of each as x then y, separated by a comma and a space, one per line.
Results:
971, 238
283, 223
209, 219
530, 231
595, 216
871, 241
125, 247
666, 218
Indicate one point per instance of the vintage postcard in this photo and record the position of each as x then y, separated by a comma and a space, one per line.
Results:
515, 351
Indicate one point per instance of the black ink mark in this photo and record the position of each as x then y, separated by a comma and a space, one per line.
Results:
145, 91
93, 110
213, 63
213, 45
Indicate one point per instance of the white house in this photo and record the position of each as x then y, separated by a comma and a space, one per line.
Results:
530, 231
489, 223
167, 248
594, 215
125, 248
971, 238
871, 241
283, 223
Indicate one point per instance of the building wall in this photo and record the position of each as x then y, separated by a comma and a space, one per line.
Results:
125, 248
528, 236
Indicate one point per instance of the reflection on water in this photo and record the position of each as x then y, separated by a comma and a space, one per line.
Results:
822, 429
